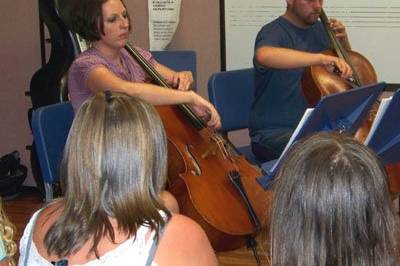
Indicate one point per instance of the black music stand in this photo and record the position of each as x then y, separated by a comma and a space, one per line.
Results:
384, 137
342, 112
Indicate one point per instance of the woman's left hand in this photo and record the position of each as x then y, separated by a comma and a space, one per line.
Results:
182, 80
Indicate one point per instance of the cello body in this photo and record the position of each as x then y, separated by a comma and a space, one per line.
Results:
214, 186
317, 81
208, 196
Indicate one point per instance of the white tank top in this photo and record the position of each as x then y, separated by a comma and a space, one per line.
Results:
134, 251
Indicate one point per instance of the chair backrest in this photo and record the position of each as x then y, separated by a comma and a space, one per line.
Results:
50, 127
232, 93
178, 61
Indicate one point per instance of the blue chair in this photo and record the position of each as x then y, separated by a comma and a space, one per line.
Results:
232, 94
50, 128
178, 61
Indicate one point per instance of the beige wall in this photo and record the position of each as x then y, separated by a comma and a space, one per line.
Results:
20, 57
198, 30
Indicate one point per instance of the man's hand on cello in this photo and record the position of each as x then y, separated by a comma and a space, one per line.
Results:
340, 32
332, 62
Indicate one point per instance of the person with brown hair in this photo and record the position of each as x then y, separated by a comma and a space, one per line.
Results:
106, 65
114, 169
283, 49
8, 248
332, 206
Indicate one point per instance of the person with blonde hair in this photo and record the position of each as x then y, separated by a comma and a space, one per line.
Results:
8, 248
332, 206
113, 171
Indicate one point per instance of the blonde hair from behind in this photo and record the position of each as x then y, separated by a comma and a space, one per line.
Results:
7, 232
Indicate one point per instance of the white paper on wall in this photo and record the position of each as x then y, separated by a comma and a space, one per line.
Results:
163, 21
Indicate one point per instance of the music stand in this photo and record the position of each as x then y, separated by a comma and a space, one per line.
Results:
342, 112
384, 137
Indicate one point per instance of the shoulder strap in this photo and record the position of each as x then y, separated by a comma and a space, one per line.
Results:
30, 239
154, 245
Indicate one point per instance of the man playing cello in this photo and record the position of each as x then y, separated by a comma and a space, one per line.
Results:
283, 49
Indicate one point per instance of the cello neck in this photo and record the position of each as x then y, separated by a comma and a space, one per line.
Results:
337, 46
159, 80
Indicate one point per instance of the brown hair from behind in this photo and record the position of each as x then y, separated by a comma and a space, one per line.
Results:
114, 165
332, 206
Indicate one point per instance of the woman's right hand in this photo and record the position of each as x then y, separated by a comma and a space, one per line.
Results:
205, 110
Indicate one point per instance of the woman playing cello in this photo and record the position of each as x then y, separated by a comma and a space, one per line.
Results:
107, 66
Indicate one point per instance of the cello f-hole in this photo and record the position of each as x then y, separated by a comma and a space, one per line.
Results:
196, 170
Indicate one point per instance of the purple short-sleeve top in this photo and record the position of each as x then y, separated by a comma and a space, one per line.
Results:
92, 58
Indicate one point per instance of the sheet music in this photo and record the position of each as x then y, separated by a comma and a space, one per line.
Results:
379, 114
304, 118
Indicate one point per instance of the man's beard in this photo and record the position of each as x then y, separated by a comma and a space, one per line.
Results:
311, 19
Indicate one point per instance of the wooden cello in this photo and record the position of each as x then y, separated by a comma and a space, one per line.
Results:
317, 81
214, 187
